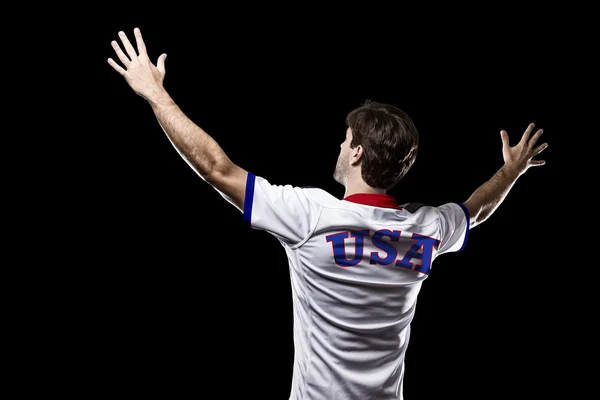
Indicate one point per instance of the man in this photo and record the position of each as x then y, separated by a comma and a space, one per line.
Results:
356, 264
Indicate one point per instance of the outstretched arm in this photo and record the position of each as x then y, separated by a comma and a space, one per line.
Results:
193, 144
486, 199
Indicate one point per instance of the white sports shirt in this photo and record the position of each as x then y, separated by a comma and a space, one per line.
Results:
356, 267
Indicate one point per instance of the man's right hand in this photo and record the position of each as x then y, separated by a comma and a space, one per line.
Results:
145, 78
519, 157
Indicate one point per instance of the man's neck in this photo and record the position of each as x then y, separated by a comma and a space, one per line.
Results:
361, 187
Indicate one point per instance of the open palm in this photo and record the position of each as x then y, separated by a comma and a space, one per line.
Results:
520, 157
145, 78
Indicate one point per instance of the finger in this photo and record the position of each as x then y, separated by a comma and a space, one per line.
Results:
120, 53
539, 149
535, 138
141, 46
525, 137
536, 163
128, 47
504, 136
160, 64
116, 66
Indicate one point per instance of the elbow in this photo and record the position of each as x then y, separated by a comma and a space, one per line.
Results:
476, 216
218, 169
474, 222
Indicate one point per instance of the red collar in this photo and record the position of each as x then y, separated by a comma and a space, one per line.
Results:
374, 199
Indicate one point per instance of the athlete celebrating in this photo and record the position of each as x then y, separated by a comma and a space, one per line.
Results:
356, 264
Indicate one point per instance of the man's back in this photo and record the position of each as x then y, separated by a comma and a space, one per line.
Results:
356, 267
355, 273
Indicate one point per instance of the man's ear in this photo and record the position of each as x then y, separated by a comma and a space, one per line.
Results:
356, 155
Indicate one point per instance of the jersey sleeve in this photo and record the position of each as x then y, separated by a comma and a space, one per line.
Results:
454, 227
284, 211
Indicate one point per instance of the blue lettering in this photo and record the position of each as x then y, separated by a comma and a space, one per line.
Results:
339, 248
417, 258
385, 246
422, 249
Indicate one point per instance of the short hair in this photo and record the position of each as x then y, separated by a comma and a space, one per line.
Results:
389, 139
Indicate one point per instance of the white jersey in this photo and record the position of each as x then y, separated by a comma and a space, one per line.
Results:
356, 266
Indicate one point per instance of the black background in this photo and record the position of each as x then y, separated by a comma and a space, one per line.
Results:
172, 294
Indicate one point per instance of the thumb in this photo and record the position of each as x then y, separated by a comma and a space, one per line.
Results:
161, 63
504, 137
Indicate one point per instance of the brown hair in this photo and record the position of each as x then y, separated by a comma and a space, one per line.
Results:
390, 141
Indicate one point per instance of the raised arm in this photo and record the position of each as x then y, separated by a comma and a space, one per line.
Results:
193, 144
486, 199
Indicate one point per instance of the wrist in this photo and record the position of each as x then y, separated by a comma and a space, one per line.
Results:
157, 96
511, 172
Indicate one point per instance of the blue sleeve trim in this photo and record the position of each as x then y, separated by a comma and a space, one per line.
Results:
468, 225
249, 198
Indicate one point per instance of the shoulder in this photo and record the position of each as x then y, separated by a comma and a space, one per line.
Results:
287, 195
413, 207
426, 214
422, 213
320, 196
